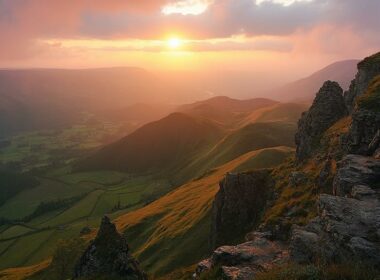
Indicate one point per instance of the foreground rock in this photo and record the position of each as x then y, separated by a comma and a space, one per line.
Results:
347, 230
328, 107
243, 261
108, 255
238, 205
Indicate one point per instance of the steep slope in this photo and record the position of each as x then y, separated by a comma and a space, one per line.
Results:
164, 232
325, 211
162, 145
304, 90
252, 137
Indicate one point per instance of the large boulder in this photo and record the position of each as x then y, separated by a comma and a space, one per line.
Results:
327, 108
108, 255
238, 205
368, 69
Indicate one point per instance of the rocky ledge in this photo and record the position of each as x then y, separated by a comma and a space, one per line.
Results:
243, 261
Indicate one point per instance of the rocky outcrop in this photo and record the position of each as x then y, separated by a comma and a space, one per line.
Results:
243, 261
108, 255
328, 107
356, 170
367, 70
238, 205
347, 230
364, 134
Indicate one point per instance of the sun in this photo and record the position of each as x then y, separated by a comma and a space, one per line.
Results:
174, 43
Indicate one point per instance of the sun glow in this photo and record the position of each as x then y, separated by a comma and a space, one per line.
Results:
174, 43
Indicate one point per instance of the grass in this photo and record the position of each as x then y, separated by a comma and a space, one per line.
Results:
24, 272
67, 223
266, 158
40, 149
294, 204
163, 233
354, 271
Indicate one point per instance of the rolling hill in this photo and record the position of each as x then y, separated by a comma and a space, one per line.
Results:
304, 90
179, 222
165, 144
224, 110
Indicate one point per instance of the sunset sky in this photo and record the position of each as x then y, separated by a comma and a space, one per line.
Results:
299, 35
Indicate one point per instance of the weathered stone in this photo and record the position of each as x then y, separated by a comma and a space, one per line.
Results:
367, 70
238, 205
328, 107
237, 273
243, 261
355, 170
346, 230
362, 137
364, 193
108, 255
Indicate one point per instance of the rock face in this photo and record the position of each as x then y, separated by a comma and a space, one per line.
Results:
238, 205
108, 255
364, 135
243, 261
328, 107
346, 230
356, 170
367, 70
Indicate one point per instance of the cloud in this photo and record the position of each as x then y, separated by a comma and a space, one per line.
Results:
23, 23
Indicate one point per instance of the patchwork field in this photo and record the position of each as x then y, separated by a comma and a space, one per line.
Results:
98, 193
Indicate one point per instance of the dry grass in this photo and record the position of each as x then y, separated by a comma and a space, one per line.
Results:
181, 209
24, 272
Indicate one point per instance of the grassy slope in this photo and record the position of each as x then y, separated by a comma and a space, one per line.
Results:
35, 241
164, 144
173, 231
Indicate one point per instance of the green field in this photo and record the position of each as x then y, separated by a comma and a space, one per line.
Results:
102, 193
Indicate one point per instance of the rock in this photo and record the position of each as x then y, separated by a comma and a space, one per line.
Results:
375, 144
356, 170
328, 107
243, 261
238, 205
108, 255
346, 230
304, 245
363, 136
368, 69
236, 273
364, 193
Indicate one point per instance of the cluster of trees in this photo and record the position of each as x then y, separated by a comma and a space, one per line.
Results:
53, 205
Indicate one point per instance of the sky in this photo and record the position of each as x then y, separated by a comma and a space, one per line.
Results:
261, 36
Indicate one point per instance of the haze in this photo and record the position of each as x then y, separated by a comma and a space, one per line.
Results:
258, 37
